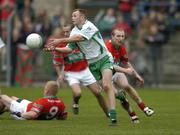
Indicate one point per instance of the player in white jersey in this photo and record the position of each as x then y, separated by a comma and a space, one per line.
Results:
93, 47
87, 37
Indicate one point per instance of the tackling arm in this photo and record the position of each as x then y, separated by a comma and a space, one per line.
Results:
136, 75
128, 71
63, 50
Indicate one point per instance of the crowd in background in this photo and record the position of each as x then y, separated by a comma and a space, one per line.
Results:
147, 23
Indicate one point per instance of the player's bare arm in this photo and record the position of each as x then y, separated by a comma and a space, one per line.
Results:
136, 75
63, 49
74, 38
31, 115
128, 71
59, 49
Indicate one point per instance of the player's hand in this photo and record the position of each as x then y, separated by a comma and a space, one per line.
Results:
49, 48
139, 79
54, 42
61, 79
62, 116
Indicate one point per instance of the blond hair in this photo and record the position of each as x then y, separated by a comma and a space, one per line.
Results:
51, 88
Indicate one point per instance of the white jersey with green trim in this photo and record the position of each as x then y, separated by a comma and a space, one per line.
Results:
93, 46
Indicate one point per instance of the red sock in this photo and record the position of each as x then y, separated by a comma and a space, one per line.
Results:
132, 114
141, 105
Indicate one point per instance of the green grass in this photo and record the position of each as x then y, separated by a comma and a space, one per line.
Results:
92, 121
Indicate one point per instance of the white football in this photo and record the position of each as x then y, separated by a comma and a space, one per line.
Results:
34, 40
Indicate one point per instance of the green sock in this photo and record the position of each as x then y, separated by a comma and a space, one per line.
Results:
120, 95
112, 114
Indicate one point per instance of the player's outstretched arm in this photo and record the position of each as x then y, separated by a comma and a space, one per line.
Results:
74, 38
63, 50
58, 49
31, 115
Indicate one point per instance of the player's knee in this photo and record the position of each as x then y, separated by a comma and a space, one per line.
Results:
106, 86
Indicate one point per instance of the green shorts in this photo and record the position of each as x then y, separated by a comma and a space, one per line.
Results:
97, 67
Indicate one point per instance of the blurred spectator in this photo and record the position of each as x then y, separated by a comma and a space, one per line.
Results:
26, 10
6, 8
42, 27
172, 14
121, 23
59, 18
155, 40
23, 77
173, 7
135, 18
43, 24
146, 21
106, 23
99, 16
163, 25
57, 33
125, 8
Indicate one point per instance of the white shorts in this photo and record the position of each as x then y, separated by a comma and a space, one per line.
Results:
19, 107
84, 77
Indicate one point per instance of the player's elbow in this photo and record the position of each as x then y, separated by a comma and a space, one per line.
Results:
34, 115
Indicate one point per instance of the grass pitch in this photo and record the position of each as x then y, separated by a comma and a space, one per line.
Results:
92, 121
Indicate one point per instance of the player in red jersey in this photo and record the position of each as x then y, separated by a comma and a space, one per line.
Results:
119, 53
45, 108
76, 72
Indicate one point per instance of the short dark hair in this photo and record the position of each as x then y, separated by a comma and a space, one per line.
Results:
82, 11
